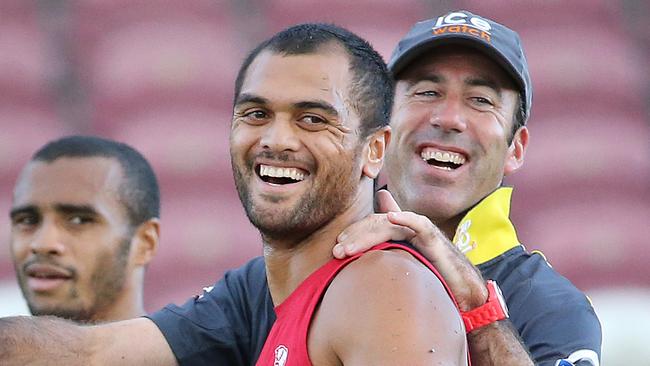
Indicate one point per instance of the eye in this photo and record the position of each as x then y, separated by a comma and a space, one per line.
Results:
253, 116
313, 122
427, 93
481, 101
256, 114
311, 119
25, 220
80, 219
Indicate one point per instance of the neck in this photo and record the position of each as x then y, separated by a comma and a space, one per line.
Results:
128, 305
288, 264
449, 226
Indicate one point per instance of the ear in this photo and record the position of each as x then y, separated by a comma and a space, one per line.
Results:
375, 152
516, 151
145, 242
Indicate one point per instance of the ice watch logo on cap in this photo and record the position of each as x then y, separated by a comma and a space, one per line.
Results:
462, 23
495, 40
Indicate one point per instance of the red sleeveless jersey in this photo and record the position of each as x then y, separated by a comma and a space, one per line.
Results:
286, 344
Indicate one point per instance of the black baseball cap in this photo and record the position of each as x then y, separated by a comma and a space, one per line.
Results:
497, 41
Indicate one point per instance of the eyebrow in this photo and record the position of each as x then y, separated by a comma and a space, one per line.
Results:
483, 81
317, 104
64, 208
67, 208
471, 81
308, 104
250, 98
28, 209
434, 78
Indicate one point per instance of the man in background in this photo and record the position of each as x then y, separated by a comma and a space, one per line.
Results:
84, 225
462, 99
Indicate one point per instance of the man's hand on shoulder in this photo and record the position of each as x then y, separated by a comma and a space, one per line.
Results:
387, 308
464, 280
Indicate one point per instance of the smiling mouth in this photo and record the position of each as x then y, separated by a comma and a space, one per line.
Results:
441, 159
280, 175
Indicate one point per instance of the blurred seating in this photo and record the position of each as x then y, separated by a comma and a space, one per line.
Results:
593, 59
519, 14
135, 53
584, 154
204, 233
186, 144
376, 21
24, 60
599, 242
25, 128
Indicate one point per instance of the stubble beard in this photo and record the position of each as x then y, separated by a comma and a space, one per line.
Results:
107, 283
315, 208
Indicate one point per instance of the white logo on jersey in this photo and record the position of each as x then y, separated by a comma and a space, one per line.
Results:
464, 241
205, 291
281, 355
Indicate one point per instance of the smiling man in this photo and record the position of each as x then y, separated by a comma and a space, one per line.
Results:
84, 224
462, 99
307, 141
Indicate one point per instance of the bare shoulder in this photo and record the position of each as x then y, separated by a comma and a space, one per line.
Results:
395, 271
389, 308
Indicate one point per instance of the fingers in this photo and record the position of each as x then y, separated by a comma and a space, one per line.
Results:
372, 230
464, 280
386, 202
424, 230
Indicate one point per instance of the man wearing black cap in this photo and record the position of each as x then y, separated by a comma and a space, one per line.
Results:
463, 96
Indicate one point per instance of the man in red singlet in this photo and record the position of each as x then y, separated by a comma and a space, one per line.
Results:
308, 138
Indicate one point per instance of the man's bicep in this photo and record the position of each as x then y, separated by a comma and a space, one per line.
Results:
131, 342
397, 312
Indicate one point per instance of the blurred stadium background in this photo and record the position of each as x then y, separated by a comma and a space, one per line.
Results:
159, 76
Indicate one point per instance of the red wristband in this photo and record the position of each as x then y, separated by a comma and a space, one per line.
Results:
493, 310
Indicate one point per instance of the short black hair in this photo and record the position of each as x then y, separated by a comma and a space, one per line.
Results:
139, 191
371, 86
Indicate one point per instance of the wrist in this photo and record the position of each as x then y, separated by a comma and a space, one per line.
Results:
478, 296
493, 309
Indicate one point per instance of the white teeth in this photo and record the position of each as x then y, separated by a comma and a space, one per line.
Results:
279, 172
442, 156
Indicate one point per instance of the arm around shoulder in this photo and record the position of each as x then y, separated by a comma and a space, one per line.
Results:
387, 308
49, 340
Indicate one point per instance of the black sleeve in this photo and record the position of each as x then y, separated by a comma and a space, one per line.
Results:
554, 319
223, 326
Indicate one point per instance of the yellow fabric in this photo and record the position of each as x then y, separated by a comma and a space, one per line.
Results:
486, 231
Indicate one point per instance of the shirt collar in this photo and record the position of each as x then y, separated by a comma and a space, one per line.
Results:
486, 230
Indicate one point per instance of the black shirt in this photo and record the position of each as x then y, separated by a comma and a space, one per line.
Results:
228, 324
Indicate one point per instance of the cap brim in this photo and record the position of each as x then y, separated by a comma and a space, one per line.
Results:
456, 39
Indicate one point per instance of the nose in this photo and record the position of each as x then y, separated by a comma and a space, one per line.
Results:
280, 135
47, 240
449, 116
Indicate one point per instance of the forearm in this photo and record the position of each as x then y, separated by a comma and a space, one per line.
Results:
43, 341
497, 344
